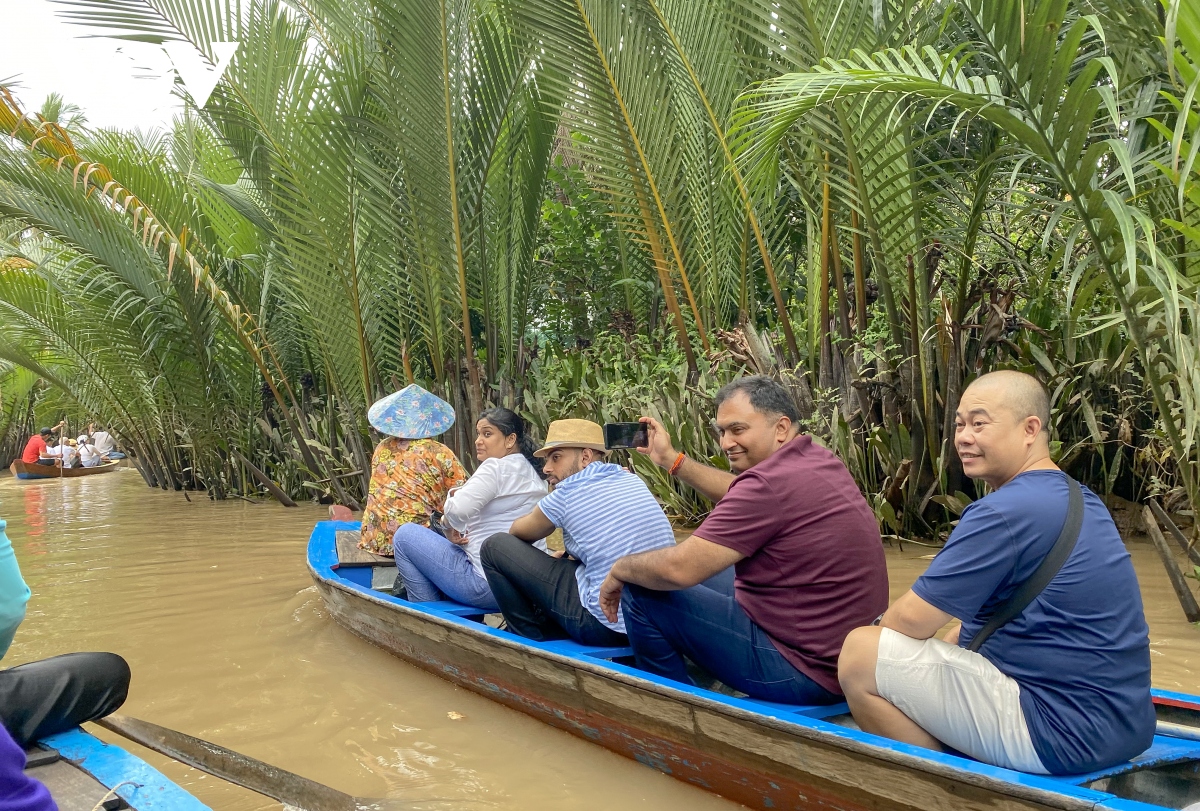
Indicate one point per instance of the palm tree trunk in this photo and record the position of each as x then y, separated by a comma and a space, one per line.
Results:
476, 392
825, 370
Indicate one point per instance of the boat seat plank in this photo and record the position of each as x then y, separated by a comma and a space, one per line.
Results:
569, 647
349, 554
1162, 752
40, 756
827, 711
450, 607
808, 710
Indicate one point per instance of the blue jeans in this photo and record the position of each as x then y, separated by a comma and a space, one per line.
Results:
432, 568
706, 624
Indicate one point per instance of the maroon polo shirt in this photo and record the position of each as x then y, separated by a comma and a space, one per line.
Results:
814, 567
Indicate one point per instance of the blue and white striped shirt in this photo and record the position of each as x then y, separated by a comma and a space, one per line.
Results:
605, 513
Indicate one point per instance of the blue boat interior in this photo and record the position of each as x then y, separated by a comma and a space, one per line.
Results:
137, 783
1167, 775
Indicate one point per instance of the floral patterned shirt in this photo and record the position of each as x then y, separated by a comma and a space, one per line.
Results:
409, 478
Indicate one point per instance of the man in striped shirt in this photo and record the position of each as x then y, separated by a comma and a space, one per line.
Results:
605, 513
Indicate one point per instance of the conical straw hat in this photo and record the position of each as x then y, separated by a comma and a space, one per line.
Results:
411, 413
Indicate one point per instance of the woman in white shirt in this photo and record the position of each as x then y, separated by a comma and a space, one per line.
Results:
505, 486
88, 455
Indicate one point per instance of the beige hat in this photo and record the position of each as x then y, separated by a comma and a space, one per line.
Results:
572, 434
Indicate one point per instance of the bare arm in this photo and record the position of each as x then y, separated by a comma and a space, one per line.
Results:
532, 527
675, 567
706, 479
915, 618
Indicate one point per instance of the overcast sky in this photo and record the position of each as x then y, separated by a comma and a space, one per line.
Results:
118, 84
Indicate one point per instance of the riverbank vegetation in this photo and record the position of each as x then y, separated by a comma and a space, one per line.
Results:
577, 207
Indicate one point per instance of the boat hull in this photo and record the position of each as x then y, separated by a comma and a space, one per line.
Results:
746, 756
24, 471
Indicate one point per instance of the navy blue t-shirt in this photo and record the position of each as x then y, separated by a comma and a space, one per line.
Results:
1081, 651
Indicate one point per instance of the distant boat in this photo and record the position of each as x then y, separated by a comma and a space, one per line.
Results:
85, 774
758, 753
24, 471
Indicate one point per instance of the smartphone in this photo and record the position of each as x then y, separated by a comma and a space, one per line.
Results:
625, 435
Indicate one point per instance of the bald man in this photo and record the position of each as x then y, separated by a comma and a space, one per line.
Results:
1064, 687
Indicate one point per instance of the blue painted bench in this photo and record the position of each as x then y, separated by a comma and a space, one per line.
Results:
569, 647
451, 607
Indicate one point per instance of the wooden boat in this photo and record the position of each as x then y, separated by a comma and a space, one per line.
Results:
760, 754
24, 471
85, 774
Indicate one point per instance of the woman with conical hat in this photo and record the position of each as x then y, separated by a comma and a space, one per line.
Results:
411, 472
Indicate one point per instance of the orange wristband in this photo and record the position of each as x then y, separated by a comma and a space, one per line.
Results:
678, 463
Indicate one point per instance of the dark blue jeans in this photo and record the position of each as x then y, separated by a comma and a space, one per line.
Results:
705, 624
538, 594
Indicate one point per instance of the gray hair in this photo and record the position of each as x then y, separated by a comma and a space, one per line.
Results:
766, 395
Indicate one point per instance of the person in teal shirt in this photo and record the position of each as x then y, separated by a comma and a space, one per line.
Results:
14, 594
56, 694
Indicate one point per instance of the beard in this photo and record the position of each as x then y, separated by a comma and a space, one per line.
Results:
568, 471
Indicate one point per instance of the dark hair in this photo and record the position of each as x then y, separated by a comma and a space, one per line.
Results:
509, 422
766, 395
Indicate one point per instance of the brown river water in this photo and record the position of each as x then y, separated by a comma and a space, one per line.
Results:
212, 605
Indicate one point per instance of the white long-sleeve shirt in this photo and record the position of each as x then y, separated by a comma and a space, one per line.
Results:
103, 442
499, 492
64, 452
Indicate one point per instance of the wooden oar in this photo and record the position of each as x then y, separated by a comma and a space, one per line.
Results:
278, 784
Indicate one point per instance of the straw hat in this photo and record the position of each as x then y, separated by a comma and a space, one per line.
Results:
411, 413
572, 434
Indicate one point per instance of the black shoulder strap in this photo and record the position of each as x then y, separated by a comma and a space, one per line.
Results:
1028, 591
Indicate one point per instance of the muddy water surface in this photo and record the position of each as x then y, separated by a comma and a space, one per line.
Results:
213, 607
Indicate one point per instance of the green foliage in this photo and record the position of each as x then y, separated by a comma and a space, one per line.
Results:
578, 207
620, 378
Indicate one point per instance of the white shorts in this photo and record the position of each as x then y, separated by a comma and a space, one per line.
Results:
958, 697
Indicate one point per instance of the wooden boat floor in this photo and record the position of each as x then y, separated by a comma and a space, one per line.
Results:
72, 788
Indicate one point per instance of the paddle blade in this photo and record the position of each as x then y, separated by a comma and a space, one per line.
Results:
278, 784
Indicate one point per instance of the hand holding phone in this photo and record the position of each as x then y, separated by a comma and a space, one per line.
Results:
658, 447
623, 435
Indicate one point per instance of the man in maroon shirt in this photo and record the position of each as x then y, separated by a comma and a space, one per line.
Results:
805, 548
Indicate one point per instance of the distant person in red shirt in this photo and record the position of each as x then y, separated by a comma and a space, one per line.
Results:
804, 546
35, 448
